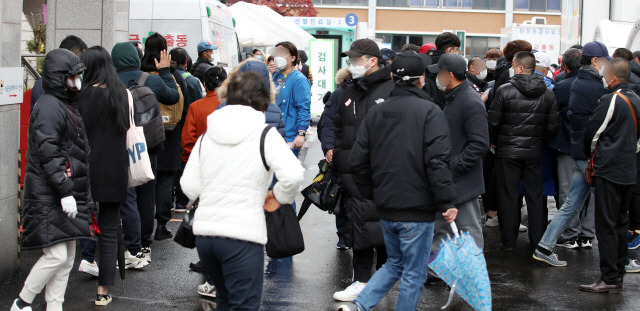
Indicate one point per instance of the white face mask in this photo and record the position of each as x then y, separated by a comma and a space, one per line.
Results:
601, 71
511, 73
439, 84
491, 64
281, 62
604, 82
74, 84
358, 72
482, 75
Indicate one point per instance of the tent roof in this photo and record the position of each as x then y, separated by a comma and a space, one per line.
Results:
258, 25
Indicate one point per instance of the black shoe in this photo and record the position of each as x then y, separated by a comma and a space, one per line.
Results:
433, 278
507, 248
341, 245
162, 233
197, 267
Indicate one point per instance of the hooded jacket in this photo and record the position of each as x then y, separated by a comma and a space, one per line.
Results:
326, 125
522, 117
362, 227
611, 137
57, 160
561, 142
226, 172
400, 159
585, 92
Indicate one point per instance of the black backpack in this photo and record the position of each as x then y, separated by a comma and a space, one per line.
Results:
147, 111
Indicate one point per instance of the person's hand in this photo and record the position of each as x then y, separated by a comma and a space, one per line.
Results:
270, 203
329, 156
165, 60
450, 215
273, 67
69, 206
485, 97
298, 142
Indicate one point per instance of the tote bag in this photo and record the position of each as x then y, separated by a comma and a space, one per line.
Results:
140, 171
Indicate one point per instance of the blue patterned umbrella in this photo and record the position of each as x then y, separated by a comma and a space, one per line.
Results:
460, 263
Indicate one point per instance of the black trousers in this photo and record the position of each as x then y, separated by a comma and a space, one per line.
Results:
237, 270
612, 222
164, 196
109, 224
489, 197
509, 173
138, 212
363, 262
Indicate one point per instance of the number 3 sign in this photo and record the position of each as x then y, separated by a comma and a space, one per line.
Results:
352, 20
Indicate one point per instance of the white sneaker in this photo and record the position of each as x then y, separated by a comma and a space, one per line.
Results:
90, 268
15, 307
350, 293
134, 262
523, 228
207, 289
492, 222
146, 251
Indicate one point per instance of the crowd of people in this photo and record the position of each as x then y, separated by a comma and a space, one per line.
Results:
419, 138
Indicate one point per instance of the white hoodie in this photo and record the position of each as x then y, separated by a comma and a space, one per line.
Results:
230, 179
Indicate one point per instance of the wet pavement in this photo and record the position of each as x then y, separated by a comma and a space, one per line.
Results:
308, 281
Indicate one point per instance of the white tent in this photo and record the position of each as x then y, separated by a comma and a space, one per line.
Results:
260, 26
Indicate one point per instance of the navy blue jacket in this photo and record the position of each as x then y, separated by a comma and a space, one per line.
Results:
562, 141
326, 125
586, 90
273, 116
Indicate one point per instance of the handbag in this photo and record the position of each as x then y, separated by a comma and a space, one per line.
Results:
184, 236
284, 236
589, 172
140, 171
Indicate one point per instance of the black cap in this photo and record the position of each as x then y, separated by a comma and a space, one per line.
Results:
362, 47
388, 54
451, 62
410, 64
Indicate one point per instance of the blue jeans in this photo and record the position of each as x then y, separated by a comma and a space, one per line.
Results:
578, 194
408, 246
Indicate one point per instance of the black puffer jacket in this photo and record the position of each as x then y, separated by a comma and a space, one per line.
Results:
523, 116
57, 160
430, 87
199, 67
362, 229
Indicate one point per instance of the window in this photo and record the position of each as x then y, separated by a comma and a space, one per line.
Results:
488, 4
478, 46
538, 5
456, 3
399, 40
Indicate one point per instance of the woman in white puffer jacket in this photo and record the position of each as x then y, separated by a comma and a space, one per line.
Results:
225, 171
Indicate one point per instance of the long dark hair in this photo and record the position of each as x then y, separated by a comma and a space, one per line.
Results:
100, 71
155, 44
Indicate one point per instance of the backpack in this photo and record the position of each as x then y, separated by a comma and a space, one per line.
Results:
171, 114
147, 112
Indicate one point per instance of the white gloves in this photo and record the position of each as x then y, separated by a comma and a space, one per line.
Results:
69, 206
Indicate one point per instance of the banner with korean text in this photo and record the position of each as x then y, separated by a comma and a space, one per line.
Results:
322, 61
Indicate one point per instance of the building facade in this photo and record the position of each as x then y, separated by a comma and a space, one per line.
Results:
398, 22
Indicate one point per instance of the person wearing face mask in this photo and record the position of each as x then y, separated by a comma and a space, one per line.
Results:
611, 141
522, 118
402, 155
492, 62
372, 85
476, 74
446, 42
293, 93
504, 71
204, 61
257, 54
56, 184
543, 62
468, 130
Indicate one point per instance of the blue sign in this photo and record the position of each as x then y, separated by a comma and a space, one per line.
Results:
351, 20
